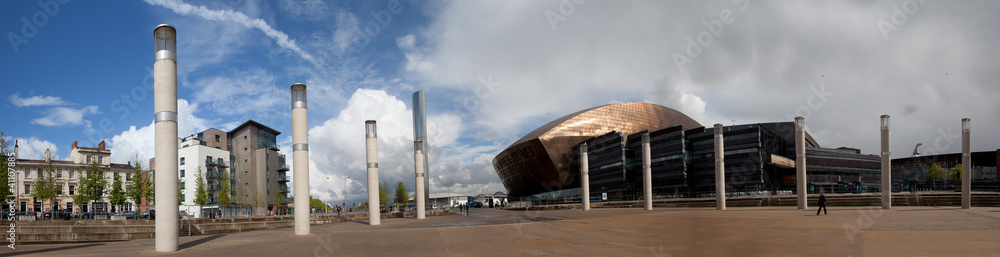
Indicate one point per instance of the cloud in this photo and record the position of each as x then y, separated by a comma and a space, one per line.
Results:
773, 61
308, 9
337, 150
282, 39
34, 148
345, 34
258, 94
36, 100
59, 116
141, 140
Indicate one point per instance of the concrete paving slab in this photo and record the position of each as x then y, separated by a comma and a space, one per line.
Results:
752, 231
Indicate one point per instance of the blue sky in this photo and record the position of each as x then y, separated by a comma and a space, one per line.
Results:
493, 71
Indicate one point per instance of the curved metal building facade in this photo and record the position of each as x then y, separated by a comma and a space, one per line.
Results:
546, 159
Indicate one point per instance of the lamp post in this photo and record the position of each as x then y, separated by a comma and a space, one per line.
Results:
800, 163
165, 119
300, 153
371, 147
886, 171
966, 164
343, 195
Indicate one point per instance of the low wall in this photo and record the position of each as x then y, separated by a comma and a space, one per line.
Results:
78, 231
899, 199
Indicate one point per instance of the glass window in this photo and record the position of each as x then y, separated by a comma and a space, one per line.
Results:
72, 188
39, 173
182, 173
27, 189
182, 160
218, 138
58, 173
100, 160
71, 173
88, 159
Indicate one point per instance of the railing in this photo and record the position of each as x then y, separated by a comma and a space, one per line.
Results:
216, 163
282, 167
283, 178
188, 225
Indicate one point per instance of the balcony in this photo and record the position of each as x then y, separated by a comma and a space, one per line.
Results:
282, 167
213, 175
283, 189
211, 163
283, 179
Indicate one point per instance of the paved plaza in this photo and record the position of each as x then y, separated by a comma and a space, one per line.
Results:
757, 231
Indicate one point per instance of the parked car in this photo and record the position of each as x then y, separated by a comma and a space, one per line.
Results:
12, 212
149, 214
129, 215
63, 214
92, 214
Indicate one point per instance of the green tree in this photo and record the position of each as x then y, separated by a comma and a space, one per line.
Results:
279, 200
956, 173
200, 194
92, 184
45, 187
402, 196
935, 173
117, 194
5, 156
383, 194
135, 190
225, 188
315, 203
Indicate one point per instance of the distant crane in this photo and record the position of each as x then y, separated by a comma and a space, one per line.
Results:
916, 150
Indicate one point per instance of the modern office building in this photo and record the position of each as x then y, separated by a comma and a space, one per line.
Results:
67, 173
259, 175
249, 153
759, 157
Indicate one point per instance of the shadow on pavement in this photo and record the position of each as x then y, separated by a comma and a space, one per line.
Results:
52, 249
199, 241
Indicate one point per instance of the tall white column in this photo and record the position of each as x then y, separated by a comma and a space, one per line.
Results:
647, 174
966, 164
720, 170
371, 145
300, 153
585, 177
418, 166
800, 163
886, 170
165, 116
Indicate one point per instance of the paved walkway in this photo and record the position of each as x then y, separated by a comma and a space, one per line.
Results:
759, 231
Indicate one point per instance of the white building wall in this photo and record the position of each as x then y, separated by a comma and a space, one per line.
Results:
194, 156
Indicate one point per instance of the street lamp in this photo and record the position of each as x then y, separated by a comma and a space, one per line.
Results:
343, 195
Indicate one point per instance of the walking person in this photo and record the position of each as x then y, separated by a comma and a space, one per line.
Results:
822, 204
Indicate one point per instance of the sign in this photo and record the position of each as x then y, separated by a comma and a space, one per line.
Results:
604, 196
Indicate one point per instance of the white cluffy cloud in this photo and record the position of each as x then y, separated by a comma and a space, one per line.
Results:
34, 148
59, 116
141, 140
36, 100
337, 146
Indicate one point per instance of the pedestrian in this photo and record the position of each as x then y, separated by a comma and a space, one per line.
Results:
822, 204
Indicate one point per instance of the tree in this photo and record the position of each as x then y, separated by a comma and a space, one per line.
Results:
117, 195
279, 200
4, 156
92, 184
135, 190
383, 194
315, 203
956, 173
45, 187
402, 196
200, 195
225, 194
935, 173
180, 192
